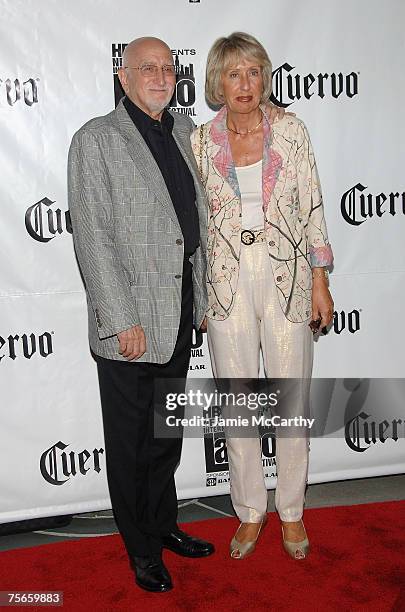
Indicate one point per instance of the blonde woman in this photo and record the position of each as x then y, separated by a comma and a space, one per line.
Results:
267, 255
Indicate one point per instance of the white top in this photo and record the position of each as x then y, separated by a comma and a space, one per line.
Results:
250, 186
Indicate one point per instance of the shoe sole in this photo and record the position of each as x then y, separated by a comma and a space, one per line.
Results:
150, 590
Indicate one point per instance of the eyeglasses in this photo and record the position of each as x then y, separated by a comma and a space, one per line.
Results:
149, 70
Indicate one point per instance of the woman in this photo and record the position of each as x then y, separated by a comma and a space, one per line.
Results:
267, 252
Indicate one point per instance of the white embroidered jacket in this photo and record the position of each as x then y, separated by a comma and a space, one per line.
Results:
293, 214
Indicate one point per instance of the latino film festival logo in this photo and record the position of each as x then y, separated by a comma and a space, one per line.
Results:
290, 86
362, 431
13, 91
197, 351
44, 221
358, 205
216, 454
26, 345
183, 99
184, 94
57, 465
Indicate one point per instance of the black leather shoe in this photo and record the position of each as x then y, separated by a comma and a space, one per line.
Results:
151, 574
186, 546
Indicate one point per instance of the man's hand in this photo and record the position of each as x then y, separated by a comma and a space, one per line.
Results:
132, 342
203, 326
275, 113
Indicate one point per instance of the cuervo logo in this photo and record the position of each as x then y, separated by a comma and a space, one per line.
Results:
58, 466
289, 86
16, 91
26, 345
361, 432
346, 320
43, 223
357, 206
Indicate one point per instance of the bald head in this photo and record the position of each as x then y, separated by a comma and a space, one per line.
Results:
141, 46
150, 90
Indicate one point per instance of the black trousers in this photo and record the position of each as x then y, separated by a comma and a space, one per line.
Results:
140, 466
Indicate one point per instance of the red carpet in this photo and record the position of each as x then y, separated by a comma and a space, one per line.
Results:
357, 562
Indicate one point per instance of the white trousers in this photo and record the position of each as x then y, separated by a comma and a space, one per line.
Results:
258, 322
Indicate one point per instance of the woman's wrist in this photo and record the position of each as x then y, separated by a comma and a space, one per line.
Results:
320, 275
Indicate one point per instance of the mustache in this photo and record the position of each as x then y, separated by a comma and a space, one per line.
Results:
159, 89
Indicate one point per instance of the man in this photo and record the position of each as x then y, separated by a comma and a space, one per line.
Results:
139, 226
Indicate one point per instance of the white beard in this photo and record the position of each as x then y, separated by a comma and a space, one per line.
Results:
158, 107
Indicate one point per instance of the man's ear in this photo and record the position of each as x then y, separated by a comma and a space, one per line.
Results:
123, 77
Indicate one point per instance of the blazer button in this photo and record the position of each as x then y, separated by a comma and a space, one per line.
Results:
272, 243
178, 276
279, 279
179, 241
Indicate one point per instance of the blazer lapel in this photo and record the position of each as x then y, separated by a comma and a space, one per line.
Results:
143, 159
272, 163
179, 135
223, 160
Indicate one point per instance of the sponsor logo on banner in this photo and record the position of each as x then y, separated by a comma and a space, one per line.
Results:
346, 321
26, 346
43, 220
197, 352
290, 86
216, 455
15, 90
117, 50
184, 94
57, 465
362, 431
357, 204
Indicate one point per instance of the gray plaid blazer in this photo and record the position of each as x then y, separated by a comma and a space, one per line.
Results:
127, 237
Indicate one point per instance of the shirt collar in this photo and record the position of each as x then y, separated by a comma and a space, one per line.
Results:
143, 122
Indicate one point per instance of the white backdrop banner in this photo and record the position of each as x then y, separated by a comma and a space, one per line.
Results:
341, 71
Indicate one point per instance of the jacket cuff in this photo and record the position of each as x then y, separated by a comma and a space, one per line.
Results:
321, 256
107, 326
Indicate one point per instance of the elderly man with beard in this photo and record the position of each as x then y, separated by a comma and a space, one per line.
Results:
139, 219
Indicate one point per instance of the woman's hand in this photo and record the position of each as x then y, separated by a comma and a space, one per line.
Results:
203, 326
322, 303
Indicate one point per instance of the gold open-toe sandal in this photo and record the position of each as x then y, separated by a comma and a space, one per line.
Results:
296, 550
240, 550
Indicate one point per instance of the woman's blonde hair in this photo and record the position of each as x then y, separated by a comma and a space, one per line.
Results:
225, 52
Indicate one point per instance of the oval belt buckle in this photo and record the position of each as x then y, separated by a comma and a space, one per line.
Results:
247, 237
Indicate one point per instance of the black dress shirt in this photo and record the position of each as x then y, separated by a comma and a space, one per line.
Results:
179, 181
